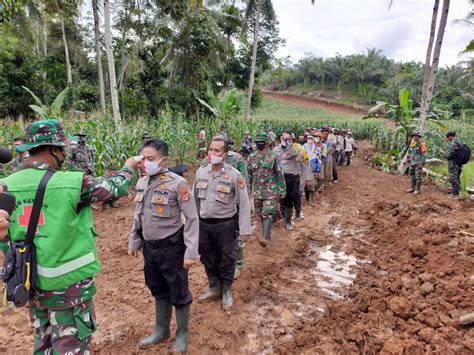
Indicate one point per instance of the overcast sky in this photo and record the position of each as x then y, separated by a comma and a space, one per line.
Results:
351, 26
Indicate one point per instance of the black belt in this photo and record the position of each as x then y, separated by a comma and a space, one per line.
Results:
290, 175
216, 220
166, 242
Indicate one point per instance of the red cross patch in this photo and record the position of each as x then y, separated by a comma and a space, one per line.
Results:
24, 219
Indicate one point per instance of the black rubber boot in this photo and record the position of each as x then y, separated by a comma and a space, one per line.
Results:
240, 262
163, 319
267, 228
288, 215
182, 320
298, 215
214, 291
227, 300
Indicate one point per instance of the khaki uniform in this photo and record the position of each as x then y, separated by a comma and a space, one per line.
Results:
160, 201
217, 195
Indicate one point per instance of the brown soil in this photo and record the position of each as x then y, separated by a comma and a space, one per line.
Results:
413, 257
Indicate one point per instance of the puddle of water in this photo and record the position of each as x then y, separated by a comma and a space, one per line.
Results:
335, 272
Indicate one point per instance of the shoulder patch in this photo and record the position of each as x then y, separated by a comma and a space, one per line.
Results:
183, 192
241, 182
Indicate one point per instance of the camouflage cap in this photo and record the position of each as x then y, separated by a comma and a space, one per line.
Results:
44, 132
417, 133
262, 137
146, 134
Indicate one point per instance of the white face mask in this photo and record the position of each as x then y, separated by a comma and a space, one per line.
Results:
215, 160
152, 167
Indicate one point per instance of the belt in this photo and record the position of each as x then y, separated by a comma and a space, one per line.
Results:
216, 220
166, 242
290, 175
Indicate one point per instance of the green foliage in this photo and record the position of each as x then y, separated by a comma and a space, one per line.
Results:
370, 77
49, 111
223, 106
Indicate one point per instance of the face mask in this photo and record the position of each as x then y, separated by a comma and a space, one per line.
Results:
261, 146
310, 142
152, 167
318, 140
302, 141
214, 159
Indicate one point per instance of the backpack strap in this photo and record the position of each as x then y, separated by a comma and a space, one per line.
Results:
36, 210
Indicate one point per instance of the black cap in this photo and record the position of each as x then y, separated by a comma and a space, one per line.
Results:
450, 134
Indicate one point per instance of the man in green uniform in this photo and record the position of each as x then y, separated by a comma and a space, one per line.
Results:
454, 170
62, 310
416, 160
268, 182
82, 156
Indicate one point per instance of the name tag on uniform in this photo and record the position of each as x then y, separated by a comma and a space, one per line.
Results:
138, 198
223, 188
160, 199
202, 184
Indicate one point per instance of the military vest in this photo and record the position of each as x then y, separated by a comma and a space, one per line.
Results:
65, 239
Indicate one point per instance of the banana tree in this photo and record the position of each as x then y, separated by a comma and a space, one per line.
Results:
223, 106
48, 111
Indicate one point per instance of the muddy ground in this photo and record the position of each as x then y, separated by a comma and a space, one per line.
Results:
368, 270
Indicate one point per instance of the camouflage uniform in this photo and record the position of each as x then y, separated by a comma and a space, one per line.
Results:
64, 319
268, 182
454, 170
82, 156
416, 159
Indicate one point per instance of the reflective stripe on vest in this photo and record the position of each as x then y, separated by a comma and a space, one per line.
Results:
67, 267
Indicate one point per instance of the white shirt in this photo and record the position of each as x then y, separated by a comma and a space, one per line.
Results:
349, 144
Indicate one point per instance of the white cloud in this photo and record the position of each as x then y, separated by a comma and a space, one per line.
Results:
352, 26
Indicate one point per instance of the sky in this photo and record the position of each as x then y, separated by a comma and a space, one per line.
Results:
352, 26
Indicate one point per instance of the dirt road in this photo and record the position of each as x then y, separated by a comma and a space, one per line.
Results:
369, 269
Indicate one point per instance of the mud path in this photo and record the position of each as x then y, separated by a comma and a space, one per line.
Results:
368, 269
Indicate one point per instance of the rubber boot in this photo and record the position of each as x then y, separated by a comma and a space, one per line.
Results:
214, 291
298, 215
288, 215
267, 228
227, 300
240, 262
417, 188
412, 188
163, 319
180, 343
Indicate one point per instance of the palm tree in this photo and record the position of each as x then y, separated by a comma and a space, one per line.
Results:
66, 49
111, 64
98, 53
255, 7
429, 80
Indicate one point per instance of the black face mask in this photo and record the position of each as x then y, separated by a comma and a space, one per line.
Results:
302, 141
261, 146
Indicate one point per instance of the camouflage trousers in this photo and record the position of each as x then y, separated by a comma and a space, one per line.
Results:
66, 331
415, 174
454, 177
266, 208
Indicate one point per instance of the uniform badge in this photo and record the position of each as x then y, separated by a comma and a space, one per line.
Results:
226, 176
160, 210
158, 199
138, 198
162, 177
184, 193
241, 182
221, 195
163, 187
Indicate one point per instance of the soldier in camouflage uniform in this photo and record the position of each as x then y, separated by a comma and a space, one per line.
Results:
63, 315
454, 170
21, 157
268, 182
236, 160
83, 156
416, 160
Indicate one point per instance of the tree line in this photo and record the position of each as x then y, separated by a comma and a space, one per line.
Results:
136, 57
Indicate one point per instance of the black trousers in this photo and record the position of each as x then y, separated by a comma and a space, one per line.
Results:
348, 156
293, 196
218, 248
164, 272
